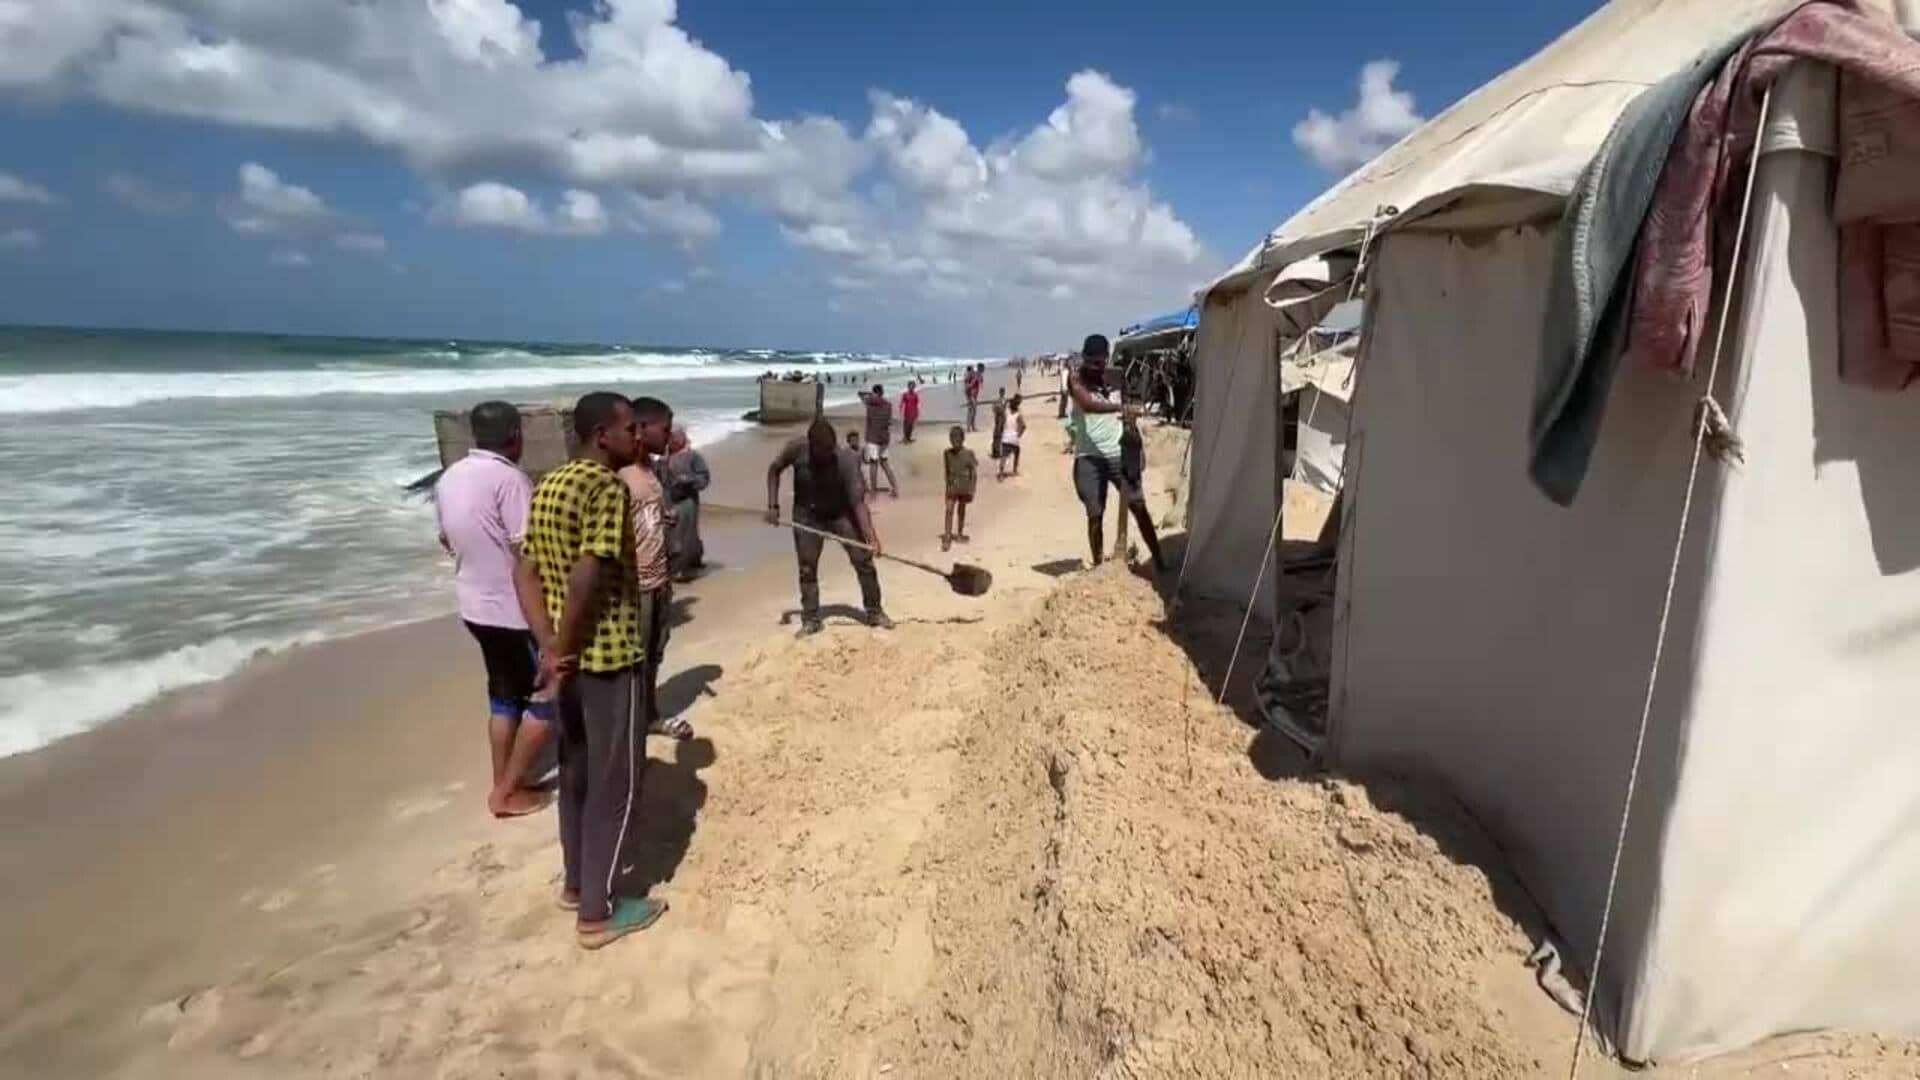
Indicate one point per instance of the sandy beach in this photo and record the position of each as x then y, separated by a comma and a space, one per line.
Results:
1016, 836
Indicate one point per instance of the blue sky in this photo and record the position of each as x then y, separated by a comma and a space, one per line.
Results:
949, 179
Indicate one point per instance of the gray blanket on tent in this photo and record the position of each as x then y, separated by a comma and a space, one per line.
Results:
1592, 283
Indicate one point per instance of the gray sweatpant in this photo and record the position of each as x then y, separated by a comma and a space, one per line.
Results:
807, 547
603, 729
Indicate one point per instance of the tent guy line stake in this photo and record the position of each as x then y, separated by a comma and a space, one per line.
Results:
1666, 603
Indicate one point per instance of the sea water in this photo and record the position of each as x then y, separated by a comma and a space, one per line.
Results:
172, 505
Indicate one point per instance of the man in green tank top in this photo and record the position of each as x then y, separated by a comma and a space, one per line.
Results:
1094, 428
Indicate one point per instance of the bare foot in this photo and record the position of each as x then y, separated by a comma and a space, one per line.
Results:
518, 802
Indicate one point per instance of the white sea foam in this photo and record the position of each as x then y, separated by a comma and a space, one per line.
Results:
65, 392
705, 430
505, 369
39, 707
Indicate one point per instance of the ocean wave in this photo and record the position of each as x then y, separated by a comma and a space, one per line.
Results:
71, 392
38, 708
54, 392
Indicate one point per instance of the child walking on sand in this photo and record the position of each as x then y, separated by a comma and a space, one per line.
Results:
1010, 438
963, 473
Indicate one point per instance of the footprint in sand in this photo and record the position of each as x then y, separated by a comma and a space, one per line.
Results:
279, 900
191, 1017
418, 806
255, 1046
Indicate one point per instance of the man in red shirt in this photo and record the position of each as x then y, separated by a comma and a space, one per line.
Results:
909, 411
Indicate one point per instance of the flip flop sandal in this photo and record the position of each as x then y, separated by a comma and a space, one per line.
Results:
566, 903
673, 727
629, 916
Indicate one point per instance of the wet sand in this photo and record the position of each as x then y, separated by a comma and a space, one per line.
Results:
236, 824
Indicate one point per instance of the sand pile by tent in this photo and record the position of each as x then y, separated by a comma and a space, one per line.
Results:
1018, 840
1126, 896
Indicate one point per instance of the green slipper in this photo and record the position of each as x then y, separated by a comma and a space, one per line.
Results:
629, 915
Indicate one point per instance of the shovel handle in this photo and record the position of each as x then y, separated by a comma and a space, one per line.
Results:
865, 546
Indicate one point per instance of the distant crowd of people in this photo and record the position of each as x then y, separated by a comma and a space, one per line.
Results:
567, 585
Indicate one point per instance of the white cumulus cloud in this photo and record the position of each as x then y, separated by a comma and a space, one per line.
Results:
142, 197
292, 260
674, 217
493, 205
15, 189
580, 214
830, 239
1380, 117
268, 204
632, 109
449, 84
1053, 213
1092, 134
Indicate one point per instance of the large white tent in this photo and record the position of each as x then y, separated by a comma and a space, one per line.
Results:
1499, 644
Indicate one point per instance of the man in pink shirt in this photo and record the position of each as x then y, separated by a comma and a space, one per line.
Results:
481, 501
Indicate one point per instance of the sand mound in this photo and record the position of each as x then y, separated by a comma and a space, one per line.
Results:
1128, 897
1018, 841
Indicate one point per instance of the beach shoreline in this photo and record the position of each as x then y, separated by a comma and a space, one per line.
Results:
107, 691
199, 822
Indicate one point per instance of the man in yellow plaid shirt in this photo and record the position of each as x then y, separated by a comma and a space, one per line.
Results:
576, 583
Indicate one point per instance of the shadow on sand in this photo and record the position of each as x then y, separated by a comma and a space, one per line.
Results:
1205, 630
1060, 567
671, 797
683, 688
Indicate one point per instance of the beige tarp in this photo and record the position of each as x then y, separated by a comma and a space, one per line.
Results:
1510, 151
1501, 645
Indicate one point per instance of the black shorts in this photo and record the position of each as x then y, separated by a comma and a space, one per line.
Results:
512, 660
1091, 475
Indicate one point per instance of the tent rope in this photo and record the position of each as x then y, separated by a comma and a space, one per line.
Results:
1273, 535
1673, 581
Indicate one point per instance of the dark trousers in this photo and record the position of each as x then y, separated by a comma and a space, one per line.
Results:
655, 612
906, 428
687, 551
1063, 406
807, 546
602, 752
